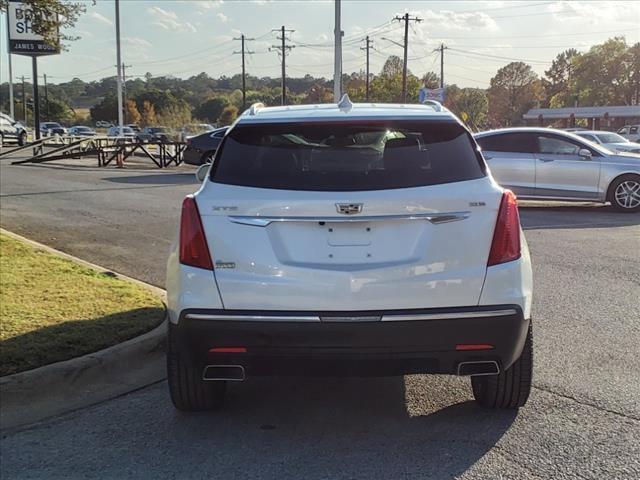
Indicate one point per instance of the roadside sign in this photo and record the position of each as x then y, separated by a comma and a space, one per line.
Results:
22, 39
431, 94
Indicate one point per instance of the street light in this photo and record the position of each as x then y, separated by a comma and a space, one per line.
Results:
393, 41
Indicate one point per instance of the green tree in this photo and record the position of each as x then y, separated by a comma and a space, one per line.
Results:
602, 76
472, 106
431, 80
228, 115
514, 90
318, 94
211, 110
557, 78
106, 110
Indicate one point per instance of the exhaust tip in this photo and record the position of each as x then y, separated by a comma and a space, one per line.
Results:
485, 367
234, 373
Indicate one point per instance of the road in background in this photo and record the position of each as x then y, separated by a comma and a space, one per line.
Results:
583, 420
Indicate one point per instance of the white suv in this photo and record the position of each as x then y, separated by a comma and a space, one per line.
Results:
349, 240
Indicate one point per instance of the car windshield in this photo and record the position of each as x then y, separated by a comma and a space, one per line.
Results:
157, 129
52, 125
609, 137
340, 156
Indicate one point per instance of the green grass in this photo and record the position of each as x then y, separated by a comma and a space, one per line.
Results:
53, 309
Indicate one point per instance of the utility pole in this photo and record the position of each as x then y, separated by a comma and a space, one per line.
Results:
244, 78
36, 97
367, 47
337, 54
119, 69
283, 49
46, 97
11, 108
406, 18
24, 103
124, 91
442, 49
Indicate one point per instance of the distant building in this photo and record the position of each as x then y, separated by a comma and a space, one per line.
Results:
609, 118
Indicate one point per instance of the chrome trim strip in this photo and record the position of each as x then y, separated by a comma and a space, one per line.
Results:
448, 316
354, 318
434, 218
254, 318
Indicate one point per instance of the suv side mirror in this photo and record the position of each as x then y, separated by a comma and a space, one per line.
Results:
585, 153
202, 172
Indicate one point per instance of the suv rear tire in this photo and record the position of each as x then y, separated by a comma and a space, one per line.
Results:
511, 387
189, 392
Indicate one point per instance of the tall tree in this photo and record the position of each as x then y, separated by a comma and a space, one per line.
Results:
228, 115
133, 115
514, 90
148, 114
472, 106
431, 80
556, 83
602, 75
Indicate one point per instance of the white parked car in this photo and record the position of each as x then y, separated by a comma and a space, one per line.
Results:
349, 240
630, 132
127, 132
610, 140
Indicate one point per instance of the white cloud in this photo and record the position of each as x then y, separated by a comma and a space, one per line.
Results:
208, 4
595, 12
222, 17
450, 20
323, 37
169, 20
100, 18
136, 42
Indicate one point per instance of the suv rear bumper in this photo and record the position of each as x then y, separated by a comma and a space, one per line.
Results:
352, 343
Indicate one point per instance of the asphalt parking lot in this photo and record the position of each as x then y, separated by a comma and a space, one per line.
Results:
582, 421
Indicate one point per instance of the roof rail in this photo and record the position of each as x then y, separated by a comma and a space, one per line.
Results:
253, 109
345, 103
437, 106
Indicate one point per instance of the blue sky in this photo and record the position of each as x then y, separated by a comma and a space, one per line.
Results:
186, 37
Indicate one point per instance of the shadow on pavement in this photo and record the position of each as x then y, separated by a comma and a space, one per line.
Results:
185, 178
544, 216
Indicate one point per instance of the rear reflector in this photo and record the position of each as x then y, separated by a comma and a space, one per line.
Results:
473, 346
228, 350
193, 244
505, 246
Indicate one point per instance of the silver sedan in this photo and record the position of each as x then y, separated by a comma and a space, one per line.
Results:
548, 164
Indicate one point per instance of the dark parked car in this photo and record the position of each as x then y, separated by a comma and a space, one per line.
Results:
48, 129
154, 134
201, 148
10, 130
81, 131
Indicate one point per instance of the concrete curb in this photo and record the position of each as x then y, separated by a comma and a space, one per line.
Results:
61, 387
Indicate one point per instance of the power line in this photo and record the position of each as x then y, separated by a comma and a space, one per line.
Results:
486, 55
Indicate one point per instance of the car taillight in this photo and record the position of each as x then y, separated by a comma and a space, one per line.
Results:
193, 244
506, 237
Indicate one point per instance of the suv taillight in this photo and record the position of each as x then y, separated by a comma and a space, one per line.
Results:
193, 243
506, 237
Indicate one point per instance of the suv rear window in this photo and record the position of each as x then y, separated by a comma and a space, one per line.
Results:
341, 156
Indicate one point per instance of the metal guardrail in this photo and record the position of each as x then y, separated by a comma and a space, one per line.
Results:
106, 150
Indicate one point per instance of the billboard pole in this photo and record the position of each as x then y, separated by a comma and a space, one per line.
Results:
36, 97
